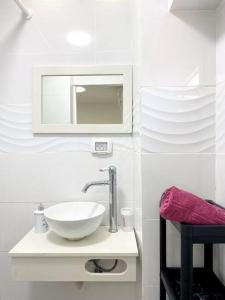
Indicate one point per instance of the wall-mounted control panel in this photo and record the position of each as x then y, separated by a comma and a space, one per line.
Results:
101, 146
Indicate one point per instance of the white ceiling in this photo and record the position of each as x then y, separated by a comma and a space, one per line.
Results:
193, 4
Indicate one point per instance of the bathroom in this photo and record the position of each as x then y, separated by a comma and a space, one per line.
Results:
175, 134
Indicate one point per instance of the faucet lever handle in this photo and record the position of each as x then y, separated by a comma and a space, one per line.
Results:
104, 169
110, 169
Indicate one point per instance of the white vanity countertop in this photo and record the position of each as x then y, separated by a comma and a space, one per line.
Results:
101, 243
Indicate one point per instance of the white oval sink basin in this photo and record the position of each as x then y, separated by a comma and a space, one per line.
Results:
74, 220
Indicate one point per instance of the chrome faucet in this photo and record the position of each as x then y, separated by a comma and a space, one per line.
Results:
112, 195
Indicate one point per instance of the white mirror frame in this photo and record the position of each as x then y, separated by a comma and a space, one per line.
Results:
40, 71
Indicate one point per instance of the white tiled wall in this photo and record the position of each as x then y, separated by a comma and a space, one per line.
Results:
53, 168
50, 178
220, 124
174, 127
178, 120
220, 43
193, 172
177, 124
220, 119
178, 48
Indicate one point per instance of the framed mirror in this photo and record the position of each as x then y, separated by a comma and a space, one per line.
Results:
93, 99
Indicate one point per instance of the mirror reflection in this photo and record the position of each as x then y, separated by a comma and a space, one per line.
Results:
56, 103
82, 99
99, 104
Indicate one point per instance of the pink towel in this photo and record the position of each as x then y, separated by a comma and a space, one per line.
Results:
181, 206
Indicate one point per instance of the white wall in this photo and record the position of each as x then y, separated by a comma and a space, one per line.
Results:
137, 174
220, 124
174, 123
49, 168
177, 123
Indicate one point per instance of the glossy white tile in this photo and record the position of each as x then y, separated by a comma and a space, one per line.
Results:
16, 71
114, 57
220, 119
148, 252
174, 250
64, 18
16, 135
114, 26
220, 177
137, 193
151, 292
17, 35
60, 177
220, 127
166, 61
220, 43
192, 172
174, 50
178, 119
151, 251
16, 219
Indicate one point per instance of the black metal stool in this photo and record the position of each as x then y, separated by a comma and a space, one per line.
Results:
186, 275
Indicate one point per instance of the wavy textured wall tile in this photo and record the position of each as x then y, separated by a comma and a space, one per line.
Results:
16, 135
178, 120
136, 127
220, 117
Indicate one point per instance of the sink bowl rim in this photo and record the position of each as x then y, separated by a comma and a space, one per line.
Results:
82, 218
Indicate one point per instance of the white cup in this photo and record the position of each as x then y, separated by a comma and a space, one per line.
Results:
127, 217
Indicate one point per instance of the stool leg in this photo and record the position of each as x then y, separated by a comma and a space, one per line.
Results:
162, 291
186, 267
162, 256
208, 256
